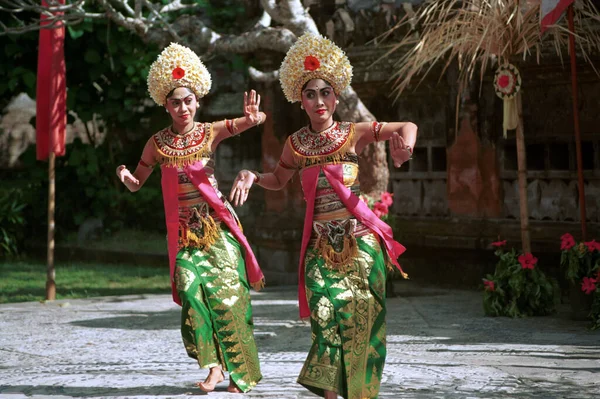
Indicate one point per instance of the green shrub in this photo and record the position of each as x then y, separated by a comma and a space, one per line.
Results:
518, 287
12, 223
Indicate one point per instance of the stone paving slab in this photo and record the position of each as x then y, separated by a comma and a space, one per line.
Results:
440, 345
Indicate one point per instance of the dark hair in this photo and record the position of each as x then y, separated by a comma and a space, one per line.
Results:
304, 86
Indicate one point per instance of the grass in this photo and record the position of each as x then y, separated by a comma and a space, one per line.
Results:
24, 280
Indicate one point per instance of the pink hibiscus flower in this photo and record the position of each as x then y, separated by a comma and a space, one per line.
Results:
489, 285
528, 261
588, 285
386, 198
567, 242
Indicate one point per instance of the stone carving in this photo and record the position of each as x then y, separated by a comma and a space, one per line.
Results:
18, 131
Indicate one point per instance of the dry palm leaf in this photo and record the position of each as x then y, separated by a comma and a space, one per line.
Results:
480, 33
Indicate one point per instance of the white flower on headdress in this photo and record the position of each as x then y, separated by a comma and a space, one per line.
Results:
177, 66
314, 57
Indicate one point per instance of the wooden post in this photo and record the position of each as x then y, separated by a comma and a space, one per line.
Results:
50, 276
580, 182
522, 167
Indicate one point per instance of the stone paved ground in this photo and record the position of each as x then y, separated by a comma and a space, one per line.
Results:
439, 346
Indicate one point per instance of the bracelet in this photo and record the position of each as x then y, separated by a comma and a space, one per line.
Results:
228, 126
257, 175
144, 164
376, 129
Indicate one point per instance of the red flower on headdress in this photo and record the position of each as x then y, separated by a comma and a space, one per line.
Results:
178, 73
311, 63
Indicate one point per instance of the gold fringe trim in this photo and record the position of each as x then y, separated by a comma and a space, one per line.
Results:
184, 160
181, 161
338, 259
304, 161
259, 285
211, 233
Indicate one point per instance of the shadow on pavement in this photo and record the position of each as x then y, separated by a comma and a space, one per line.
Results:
84, 392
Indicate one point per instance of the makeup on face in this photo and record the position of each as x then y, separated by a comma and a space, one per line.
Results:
318, 97
182, 105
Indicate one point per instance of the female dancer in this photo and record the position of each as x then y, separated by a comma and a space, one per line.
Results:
210, 259
345, 247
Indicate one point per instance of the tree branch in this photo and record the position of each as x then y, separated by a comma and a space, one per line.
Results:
271, 8
291, 14
177, 5
263, 77
264, 21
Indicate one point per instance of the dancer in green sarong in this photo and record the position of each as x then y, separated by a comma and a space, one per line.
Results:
345, 246
211, 263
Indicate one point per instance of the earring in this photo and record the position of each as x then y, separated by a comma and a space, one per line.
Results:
301, 106
337, 101
166, 110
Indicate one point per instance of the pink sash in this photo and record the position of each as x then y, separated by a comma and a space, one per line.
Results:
197, 176
358, 208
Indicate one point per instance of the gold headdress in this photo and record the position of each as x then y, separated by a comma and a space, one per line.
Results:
177, 66
313, 57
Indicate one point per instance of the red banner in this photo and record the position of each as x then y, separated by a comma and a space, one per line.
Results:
51, 97
551, 11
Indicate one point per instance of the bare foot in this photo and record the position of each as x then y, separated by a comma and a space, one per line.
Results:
232, 387
330, 395
215, 376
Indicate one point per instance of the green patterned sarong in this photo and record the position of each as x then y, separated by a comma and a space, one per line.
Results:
216, 316
347, 322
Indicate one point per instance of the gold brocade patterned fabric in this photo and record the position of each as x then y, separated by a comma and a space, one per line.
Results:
218, 327
345, 272
347, 323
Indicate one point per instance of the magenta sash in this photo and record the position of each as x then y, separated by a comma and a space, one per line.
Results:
197, 176
359, 209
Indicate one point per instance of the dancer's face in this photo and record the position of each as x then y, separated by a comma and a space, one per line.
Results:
182, 105
318, 100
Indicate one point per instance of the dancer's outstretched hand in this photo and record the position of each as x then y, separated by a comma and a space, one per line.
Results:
125, 175
399, 150
252, 108
241, 187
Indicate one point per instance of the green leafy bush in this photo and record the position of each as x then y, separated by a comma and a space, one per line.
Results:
518, 288
12, 229
581, 263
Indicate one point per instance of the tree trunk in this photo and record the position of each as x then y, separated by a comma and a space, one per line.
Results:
374, 173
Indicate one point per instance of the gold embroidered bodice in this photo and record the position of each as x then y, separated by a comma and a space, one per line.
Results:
182, 149
328, 146
334, 228
329, 207
199, 224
